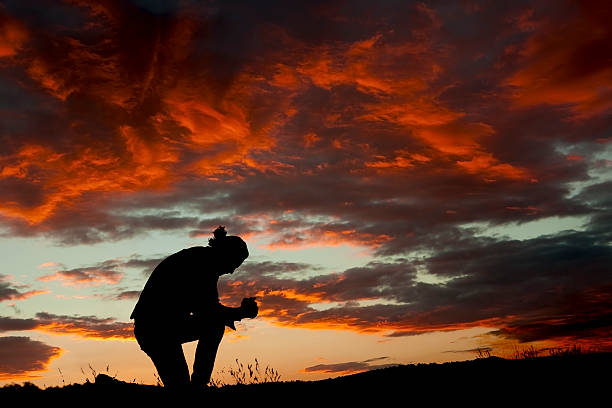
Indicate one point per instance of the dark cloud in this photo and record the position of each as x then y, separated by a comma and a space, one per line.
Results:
146, 266
391, 126
22, 357
581, 317
109, 272
9, 291
13, 324
251, 270
545, 288
126, 295
348, 367
344, 88
105, 273
83, 326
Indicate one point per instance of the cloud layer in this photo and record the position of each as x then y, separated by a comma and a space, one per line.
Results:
11, 291
22, 357
91, 327
393, 126
350, 367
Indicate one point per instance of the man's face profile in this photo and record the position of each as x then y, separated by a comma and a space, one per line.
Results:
226, 263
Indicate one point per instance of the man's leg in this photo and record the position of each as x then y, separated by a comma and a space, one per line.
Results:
171, 365
205, 355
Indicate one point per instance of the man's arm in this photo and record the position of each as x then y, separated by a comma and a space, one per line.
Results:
248, 309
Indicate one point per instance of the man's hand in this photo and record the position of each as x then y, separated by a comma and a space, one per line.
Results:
249, 307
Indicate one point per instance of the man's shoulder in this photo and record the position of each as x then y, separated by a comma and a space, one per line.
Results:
196, 250
184, 255
190, 253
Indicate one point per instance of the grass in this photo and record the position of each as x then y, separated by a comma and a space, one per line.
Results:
251, 373
548, 376
531, 352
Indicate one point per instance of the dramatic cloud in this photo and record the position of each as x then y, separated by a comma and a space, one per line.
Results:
126, 295
12, 35
84, 276
22, 357
349, 367
406, 128
363, 110
14, 324
109, 272
9, 291
565, 61
90, 327
548, 288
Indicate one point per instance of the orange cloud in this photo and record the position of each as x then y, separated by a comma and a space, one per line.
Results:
325, 237
293, 294
566, 63
489, 166
64, 177
12, 36
151, 160
125, 332
405, 98
89, 327
30, 293
84, 277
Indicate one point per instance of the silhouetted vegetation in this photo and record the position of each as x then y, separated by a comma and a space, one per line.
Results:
552, 376
252, 373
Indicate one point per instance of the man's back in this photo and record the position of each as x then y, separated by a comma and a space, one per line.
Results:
181, 284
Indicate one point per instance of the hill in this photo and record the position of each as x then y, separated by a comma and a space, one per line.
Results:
486, 381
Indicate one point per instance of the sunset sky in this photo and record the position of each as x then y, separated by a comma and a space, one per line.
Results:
414, 180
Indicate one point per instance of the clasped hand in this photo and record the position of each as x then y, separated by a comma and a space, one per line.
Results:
249, 307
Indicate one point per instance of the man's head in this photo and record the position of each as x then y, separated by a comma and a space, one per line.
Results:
230, 250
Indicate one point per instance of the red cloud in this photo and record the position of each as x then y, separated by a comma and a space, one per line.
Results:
566, 62
12, 35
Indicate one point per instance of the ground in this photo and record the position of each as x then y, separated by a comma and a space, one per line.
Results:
555, 380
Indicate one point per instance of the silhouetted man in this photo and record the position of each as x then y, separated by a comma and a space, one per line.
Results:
180, 303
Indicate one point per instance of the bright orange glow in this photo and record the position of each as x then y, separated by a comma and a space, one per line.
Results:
293, 294
68, 176
488, 165
315, 238
221, 134
12, 36
123, 332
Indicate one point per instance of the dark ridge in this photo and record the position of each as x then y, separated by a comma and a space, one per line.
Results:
482, 382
